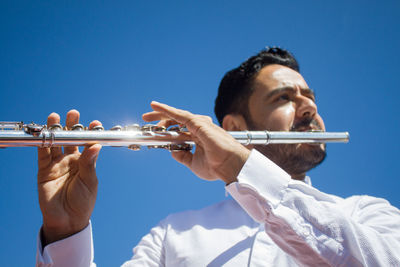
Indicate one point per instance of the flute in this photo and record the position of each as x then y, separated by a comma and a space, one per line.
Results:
18, 134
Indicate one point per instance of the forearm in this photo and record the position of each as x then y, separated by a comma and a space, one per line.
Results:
315, 227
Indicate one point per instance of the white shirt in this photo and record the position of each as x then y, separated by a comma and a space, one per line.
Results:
280, 222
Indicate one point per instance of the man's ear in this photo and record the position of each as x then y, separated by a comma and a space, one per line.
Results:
234, 122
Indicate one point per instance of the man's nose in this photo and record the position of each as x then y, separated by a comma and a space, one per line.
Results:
305, 107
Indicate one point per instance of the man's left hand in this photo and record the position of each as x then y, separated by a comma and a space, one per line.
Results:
217, 156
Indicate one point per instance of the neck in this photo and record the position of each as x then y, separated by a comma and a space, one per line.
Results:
300, 176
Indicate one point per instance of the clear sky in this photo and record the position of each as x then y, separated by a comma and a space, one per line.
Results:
109, 59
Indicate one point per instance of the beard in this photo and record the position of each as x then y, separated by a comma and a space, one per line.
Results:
295, 159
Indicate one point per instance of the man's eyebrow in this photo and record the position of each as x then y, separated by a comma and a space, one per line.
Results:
308, 91
288, 89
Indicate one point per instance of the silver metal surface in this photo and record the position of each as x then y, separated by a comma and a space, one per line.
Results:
17, 134
269, 137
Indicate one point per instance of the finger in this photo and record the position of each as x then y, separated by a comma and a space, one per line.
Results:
44, 154
179, 115
87, 162
158, 116
72, 119
154, 116
94, 124
184, 157
54, 118
166, 123
87, 166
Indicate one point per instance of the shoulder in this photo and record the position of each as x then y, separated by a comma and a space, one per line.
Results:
365, 201
366, 208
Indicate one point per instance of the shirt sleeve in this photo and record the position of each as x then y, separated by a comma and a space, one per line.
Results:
150, 250
315, 228
76, 250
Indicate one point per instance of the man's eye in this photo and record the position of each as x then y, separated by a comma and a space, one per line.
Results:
284, 97
312, 97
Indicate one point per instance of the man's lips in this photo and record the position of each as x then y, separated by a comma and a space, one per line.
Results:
309, 128
306, 125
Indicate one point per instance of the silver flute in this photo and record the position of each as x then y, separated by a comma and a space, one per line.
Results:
18, 134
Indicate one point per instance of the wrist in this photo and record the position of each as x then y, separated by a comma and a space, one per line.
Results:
236, 164
51, 234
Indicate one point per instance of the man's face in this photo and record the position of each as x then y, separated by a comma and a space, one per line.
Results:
282, 101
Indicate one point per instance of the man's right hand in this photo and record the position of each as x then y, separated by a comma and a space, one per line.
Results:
67, 185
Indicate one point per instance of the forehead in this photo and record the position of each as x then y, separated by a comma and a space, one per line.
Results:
277, 76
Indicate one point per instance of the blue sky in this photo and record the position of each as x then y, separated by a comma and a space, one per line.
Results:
109, 59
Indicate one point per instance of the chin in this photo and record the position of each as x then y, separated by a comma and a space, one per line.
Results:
312, 146
295, 158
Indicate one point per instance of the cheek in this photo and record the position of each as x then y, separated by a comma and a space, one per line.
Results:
281, 119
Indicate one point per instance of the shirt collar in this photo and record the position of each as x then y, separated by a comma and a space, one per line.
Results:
307, 180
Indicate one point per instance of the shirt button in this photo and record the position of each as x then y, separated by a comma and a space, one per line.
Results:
306, 232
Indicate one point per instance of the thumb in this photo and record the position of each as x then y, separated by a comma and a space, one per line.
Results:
184, 157
87, 164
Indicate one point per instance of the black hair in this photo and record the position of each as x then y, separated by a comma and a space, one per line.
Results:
236, 86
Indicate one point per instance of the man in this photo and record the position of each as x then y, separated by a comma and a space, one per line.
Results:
277, 217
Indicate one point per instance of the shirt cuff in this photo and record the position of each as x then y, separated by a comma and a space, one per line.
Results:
76, 250
261, 185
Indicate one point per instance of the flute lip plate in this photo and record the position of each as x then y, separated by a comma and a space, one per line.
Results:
307, 129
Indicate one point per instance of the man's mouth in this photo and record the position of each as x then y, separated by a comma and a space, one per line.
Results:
306, 125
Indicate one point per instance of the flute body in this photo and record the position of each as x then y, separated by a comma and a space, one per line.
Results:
17, 134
